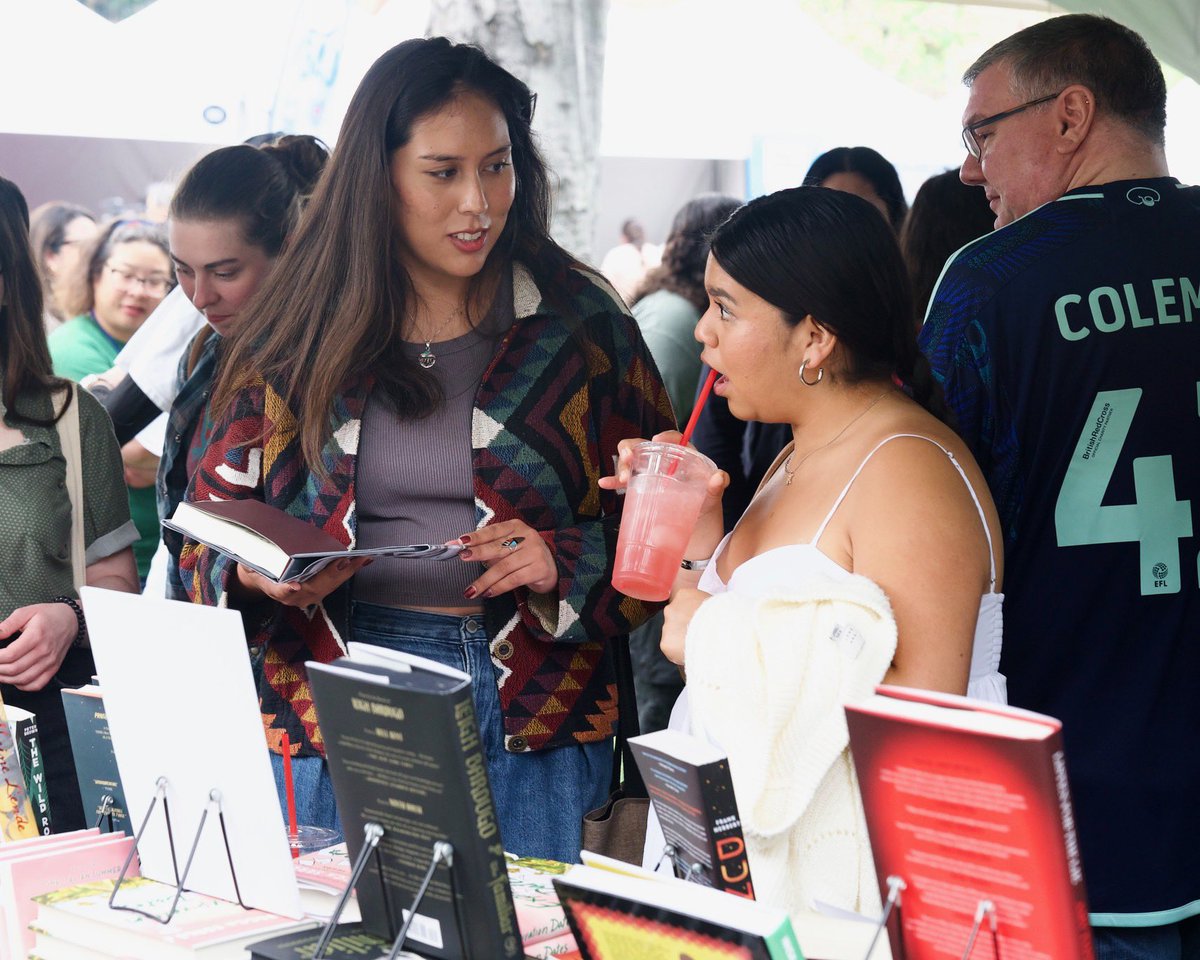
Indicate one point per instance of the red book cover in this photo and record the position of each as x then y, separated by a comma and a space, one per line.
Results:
967, 801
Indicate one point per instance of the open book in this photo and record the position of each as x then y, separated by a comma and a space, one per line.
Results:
276, 544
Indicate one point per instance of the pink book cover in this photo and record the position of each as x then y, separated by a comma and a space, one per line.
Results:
540, 916
327, 870
20, 848
61, 865
554, 947
81, 915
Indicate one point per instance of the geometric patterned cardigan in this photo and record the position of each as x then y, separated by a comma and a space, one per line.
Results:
558, 395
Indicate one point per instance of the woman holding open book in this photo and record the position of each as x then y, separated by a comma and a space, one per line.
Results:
427, 365
229, 220
870, 553
50, 431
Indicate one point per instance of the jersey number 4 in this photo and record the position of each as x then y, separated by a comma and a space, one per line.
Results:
1156, 521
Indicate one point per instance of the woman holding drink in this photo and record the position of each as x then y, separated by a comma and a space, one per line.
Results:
425, 364
870, 553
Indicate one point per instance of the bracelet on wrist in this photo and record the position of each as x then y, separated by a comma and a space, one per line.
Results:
81, 635
694, 564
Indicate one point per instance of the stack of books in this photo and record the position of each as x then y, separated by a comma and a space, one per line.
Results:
76, 923
30, 868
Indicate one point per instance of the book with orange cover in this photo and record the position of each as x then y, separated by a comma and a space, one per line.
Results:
968, 801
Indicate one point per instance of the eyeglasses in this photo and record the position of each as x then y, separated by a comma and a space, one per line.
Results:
155, 286
968, 133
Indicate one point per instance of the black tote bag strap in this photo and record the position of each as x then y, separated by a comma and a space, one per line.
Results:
627, 724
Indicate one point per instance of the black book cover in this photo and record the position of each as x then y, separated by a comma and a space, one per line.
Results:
29, 751
95, 761
350, 942
696, 809
404, 752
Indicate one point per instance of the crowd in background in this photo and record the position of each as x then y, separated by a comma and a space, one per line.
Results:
399, 352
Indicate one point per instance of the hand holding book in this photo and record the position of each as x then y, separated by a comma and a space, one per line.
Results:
250, 584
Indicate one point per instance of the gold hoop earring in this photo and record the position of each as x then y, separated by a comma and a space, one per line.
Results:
810, 383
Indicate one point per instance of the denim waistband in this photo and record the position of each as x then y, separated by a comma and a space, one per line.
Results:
417, 623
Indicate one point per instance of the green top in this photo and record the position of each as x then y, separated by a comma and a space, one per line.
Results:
35, 510
79, 348
668, 325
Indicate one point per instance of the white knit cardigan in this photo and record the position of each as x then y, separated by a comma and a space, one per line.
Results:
768, 676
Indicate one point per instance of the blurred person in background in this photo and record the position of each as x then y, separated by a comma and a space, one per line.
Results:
865, 173
43, 643
946, 215
625, 266
59, 232
125, 275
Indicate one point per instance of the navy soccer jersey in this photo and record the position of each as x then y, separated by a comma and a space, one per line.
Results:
1068, 344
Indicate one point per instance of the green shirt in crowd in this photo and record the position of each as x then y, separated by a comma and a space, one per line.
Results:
80, 348
35, 510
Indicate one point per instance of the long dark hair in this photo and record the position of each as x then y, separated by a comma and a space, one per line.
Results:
24, 356
946, 215
261, 189
810, 251
869, 164
336, 303
686, 251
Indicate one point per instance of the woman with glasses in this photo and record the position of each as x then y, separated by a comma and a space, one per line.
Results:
125, 274
424, 365
43, 646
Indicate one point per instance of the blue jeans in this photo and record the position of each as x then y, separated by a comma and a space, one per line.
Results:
540, 796
1174, 941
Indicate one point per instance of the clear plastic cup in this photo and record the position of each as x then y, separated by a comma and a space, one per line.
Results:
309, 839
662, 503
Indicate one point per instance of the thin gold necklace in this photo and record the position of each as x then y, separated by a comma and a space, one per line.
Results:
789, 474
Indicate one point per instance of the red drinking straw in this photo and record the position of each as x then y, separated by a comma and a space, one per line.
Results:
700, 401
290, 787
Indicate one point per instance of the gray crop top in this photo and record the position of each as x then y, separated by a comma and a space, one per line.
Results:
415, 481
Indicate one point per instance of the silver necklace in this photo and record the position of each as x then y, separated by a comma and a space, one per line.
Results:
789, 474
426, 357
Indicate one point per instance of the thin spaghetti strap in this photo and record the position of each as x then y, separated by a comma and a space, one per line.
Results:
846, 489
987, 531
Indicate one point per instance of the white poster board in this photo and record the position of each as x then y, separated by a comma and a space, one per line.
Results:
181, 704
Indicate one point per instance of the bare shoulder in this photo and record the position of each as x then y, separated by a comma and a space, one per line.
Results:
911, 496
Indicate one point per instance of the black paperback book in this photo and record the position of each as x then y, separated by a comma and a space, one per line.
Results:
405, 752
692, 792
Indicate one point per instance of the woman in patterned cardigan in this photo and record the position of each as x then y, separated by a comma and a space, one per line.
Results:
425, 364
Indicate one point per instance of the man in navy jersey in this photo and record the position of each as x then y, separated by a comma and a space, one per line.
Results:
1068, 345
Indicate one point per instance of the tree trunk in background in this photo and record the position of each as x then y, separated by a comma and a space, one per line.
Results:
557, 48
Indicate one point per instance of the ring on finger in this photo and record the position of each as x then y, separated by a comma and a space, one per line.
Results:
512, 543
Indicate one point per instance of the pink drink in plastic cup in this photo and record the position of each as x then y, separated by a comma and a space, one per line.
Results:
662, 504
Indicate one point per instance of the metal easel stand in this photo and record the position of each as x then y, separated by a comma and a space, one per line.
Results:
160, 792
690, 870
105, 810
896, 886
372, 833
985, 909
